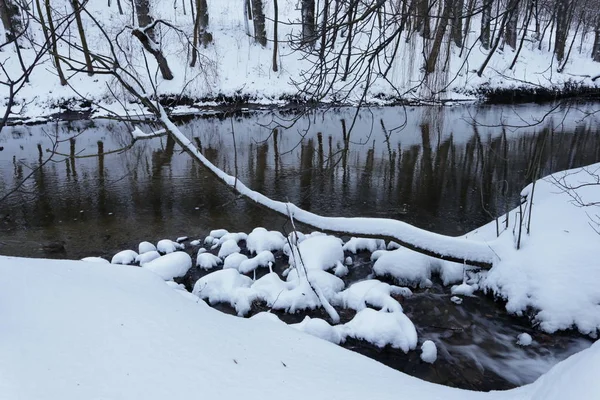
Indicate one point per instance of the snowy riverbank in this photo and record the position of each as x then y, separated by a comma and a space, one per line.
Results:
234, 69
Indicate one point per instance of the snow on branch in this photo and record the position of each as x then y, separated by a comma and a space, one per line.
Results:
432, 244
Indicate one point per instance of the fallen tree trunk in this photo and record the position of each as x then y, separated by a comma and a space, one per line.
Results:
443, 247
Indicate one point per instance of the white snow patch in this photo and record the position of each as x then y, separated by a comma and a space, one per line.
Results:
354, 245
145, 247
319, 328
226, 286
98, 260
124, 257
207, 260
262, 259
228, 247
169, 266
167, 246
261, 239
147, 257
524, 339
428, 352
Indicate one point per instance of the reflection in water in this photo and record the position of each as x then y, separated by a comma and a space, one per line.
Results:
440, 171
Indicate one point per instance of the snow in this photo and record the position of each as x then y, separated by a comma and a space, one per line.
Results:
428, 352
225, 286
555, 273
237, 237
456, 300
524, 339
147, 257
406, 266
87, 331
228, 247
195, 243
382, 329
354, 245
167, 246
464, 289
99, 260
374, 293
319, 328
318, 252
207, 260
181, 239
234, 260
145, 247
124, 257
169, 266
261, 239
217, 233
262, 259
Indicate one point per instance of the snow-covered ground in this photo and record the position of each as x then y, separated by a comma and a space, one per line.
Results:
234, 65
74, 329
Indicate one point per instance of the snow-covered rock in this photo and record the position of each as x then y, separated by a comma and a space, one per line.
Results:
319, 328
145, 247
147, 257
226, 286
371, 292
234, 260
166, 246
124, 257
207, 260
406, 266
261, 239
228, 247
428, 352
354, 245
524, 339
262, 259
463, 289
382, 329
169, 266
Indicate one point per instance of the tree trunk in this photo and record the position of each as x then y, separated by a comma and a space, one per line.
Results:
52, 33
200, 33
563, 21
142, 11
457, 22
510, 33
151, 48
84, 45
275, 38
258, 17
9, 14
422, 24
486, 20
596, 48
437, 41
308, 23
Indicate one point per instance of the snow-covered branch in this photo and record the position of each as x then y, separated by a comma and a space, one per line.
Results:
423, 241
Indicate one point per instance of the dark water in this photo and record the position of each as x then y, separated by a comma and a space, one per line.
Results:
431, 167
449, 170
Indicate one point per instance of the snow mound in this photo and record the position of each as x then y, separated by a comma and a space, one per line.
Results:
226, 286
206, 260
354, 245
234, 260
147, 257
382, 329
524, 339
232, 236
319, 328
374, 293
464, 289
262, 259
167, 246
169, 266
98, 260
145, 247
195, 243
218, 233
428, 352
267, 316
124, 257
319, 252
406, 266
261, 239
228, 247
